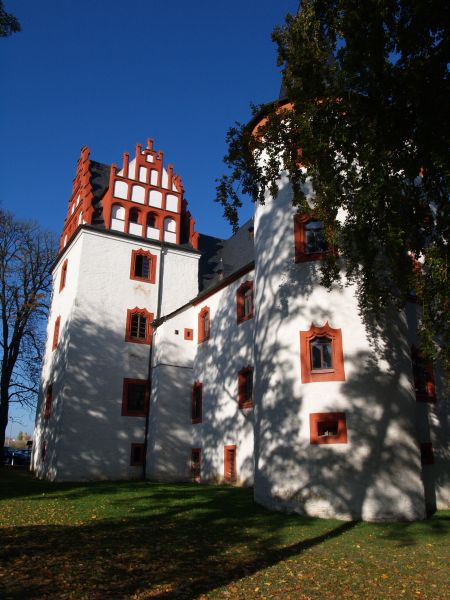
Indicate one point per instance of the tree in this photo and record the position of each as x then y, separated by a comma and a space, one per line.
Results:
26, 256
368, 89
8, 22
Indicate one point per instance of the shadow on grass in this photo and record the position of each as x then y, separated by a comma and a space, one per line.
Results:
161, 541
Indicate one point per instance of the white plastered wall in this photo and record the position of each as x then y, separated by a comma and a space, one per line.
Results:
377, 474
216, 362
95, 439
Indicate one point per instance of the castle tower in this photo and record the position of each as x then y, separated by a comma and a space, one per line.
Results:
126, 239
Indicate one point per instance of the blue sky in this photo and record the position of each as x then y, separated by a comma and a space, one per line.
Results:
110, 74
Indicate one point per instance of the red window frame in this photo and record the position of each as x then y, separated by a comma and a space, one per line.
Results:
126, 412
202, 334
243, 400
48, 402
197, 403
335, 419
337, 372
56, 333
229, 464
301, 255
196, 464
241, 316
148, 328
188, 334
136, 455
423, 371
151, 269
63, 276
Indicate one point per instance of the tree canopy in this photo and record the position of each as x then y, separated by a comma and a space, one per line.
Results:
368, 121
26, 257
8, 22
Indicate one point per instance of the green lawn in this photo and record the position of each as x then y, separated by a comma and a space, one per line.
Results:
146, 540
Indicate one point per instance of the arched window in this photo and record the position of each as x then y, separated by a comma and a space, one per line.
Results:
134, 222
321, 354
309, 239
170, 230
135, 216
143, 266
139, 328
152, 220
118, 217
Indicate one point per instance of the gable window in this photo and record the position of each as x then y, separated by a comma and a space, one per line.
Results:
423, 377
143, 266
137, 455
134, 398
244, 302
48, 402
56, 333
229, 464
204, 325
327, 428
309, 239
196, 464
139, 330
63, 276
321, 354
245, 388
197, 401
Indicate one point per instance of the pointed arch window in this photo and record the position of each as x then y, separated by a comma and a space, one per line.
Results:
139, 329
143, 266
309, 238
321, 354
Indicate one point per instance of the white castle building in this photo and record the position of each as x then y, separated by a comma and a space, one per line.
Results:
178, 356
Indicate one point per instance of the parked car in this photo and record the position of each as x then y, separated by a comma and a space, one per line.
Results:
15, 456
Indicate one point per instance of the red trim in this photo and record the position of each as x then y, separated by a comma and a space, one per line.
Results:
299, 238
125, 409
137, 455
152, 266
240, 302
196, 464
310, 375
48, 402
63, 276
202, 334
243, 400
423, 374
224, 283
56, 333
197, 403
426, 453
229, 464
334, 419
148, 328
188, 334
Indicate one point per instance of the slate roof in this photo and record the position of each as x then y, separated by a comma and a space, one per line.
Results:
224, 257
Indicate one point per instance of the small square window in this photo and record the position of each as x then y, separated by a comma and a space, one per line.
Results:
327, 428
134, 398
188, 334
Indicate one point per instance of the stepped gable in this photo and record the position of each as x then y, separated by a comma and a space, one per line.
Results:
222, 258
